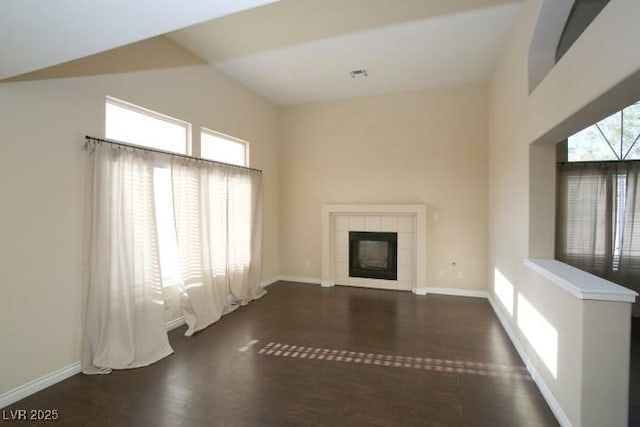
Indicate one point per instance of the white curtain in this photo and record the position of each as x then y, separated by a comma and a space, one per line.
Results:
218, 214
124, 317
244, 235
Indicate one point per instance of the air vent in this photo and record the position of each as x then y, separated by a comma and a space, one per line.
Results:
358, 73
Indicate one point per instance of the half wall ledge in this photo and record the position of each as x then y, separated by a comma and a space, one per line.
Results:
579, 283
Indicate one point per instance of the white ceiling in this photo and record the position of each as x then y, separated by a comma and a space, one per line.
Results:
35, 34
295, 52
290, 51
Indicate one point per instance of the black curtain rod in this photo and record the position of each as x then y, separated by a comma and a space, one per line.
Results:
168, 153
606, 162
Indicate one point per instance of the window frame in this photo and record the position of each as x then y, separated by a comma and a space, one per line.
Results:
216, 134
168, 280
155, 115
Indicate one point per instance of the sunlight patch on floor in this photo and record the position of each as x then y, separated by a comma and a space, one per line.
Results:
396, 361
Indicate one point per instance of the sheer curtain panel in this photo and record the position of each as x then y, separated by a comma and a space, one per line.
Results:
628, 272
583, 225
218, 213
124, 315
244, 207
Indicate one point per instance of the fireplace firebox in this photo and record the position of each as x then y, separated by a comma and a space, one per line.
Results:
373, 255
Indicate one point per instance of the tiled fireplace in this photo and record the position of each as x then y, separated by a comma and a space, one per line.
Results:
392, 251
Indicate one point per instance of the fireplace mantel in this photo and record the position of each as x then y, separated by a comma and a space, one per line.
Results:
416, 212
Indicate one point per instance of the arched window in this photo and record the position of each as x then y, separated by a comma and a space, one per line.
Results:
613, 138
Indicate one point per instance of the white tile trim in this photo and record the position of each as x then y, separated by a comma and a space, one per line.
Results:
419, 211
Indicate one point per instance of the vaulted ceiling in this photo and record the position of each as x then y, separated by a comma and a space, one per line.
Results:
35, 34
289, 51
295, 52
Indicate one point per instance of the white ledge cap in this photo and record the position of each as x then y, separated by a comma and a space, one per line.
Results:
579, 283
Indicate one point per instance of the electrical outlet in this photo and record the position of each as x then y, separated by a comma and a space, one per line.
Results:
167, 303
440, 273
460, 275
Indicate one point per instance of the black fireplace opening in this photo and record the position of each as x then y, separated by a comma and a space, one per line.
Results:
373, 255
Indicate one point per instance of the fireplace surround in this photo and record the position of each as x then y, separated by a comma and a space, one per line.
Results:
408, 221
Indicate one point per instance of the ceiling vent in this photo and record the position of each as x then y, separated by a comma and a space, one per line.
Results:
358, 73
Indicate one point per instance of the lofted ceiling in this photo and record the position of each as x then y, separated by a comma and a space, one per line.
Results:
289, 51
302, 51
35, 34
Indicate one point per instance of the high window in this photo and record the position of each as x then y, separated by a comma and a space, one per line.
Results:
223, 148
612, 138
158, 217
136, 125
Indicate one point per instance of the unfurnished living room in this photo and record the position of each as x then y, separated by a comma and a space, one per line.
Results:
320, 213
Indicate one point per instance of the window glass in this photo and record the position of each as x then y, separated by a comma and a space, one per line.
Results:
598, 201
136, 125
222, 148
613, 138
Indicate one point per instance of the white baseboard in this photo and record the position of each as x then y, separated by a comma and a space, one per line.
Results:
418, 291
175, 323
38, 384
269, 282
61, 374
557, 410
56, 376
474, 293
311, 280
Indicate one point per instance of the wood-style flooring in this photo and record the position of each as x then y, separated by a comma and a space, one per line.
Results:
309, 356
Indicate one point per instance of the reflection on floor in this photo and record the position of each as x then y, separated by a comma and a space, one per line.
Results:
463, 370
634, 376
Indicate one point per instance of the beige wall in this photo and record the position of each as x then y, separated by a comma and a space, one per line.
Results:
42, 177
589, 386
419, 147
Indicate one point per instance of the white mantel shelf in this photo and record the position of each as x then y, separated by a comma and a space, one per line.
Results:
417, 211
579, 283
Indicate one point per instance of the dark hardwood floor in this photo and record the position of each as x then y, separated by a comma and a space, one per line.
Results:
310, 356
